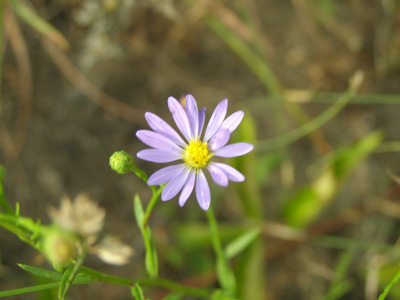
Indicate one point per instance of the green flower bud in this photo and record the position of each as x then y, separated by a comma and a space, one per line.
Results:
121, 162
59, 247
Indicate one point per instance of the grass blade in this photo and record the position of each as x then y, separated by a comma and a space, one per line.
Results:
38, 23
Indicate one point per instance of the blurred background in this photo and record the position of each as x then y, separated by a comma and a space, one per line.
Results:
322, 185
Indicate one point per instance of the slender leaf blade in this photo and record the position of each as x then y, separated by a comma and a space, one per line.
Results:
38, 23
242, 242
137, 292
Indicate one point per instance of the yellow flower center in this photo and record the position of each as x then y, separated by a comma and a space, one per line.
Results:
196, 154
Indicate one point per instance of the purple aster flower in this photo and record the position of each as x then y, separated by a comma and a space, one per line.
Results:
194, 152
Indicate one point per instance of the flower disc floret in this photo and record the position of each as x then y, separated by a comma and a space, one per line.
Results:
196, 154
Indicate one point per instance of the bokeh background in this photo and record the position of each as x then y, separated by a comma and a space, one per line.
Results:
325, 197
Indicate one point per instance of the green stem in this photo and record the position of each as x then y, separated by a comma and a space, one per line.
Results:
142, 220
160, 282
74, 272
25, 228
308, 127
224, 272
389, 286
141, 174
216, 242
152, 203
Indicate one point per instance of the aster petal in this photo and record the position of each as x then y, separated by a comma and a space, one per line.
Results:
218, 175
234, 150
175, 185
158, 156
233, 121
193, 115
187, 188
202, 118
162, 127
180, 117
165, 174
219, 139
230, 172
202, 190
156, 140
216, 119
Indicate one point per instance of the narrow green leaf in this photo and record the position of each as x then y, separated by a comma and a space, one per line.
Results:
137, 292
41, 272
51, 274
302, 207
249, 191
224, 272
343, 266
38, 23
339, 290
225, 275
64, 280
250, 272
391, 284
345, 159
21, 233
151, 261
341, 285
242, 242
29, 289
310, 126
40, 287
138, 211
307, 203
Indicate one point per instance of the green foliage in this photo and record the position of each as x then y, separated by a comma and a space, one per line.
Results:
251, 267
79, 279
306, 204
151, 260
224, 272
137, 292
389, 277
38, 23
240, 264
63, 289
243, 241
248, 190
340, 285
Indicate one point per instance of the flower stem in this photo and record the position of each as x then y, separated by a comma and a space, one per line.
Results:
72, 275
224, 272
152, 203
139, 173
160, 282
